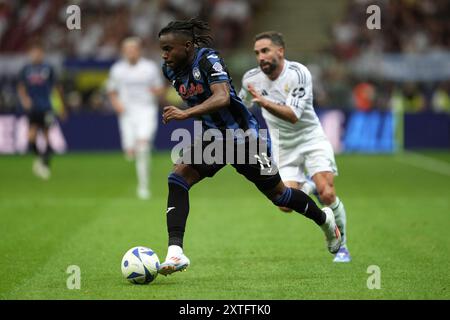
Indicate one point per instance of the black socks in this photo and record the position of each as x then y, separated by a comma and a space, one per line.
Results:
177, 209
299, 201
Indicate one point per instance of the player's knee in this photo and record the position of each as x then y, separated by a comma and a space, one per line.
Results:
275, 193
285, 209
327, 196
178, 180
185, 173
281, 198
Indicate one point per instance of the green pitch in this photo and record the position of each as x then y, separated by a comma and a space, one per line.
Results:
240, 245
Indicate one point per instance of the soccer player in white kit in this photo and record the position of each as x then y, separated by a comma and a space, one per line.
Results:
283, 89
134, 85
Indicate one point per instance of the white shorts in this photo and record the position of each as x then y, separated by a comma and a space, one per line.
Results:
295, 164
136, 126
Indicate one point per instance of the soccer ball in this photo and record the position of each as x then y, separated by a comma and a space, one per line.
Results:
140, 265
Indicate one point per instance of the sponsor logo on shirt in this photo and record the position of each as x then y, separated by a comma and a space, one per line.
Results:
193, 90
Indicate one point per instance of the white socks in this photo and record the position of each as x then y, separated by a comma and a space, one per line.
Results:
340, 217
307, 188
338, 209
174, 251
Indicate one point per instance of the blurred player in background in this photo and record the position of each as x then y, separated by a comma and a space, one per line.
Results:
37, 80
134, 85
283, 89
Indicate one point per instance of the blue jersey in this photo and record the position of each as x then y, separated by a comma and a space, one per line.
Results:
193, 85
38, 80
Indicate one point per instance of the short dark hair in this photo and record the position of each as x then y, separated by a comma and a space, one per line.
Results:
194, 28
274, 36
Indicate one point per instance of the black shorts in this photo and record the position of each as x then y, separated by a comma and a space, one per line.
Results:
251, 159
42, 119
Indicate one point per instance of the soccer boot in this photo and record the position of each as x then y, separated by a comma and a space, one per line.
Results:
37, 164
174, 262
45, 172
143, 193
40, 170
332, 233
343, 255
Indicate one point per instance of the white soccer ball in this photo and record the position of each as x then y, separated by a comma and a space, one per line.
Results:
140, 265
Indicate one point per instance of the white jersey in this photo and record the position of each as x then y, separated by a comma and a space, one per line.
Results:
293, 88
134, 82
300, 148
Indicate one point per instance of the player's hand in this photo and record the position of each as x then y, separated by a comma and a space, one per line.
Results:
119, 108
257, 97
173, 113
27, 104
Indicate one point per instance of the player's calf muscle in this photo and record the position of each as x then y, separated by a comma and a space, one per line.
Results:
276, 192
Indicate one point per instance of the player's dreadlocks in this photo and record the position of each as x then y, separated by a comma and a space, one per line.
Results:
195, 28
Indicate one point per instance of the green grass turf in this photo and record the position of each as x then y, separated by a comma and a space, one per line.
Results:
240, 246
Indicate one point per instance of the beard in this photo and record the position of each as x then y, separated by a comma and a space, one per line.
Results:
268, 67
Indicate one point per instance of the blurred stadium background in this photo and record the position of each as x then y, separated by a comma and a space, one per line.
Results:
383, 97
363, 79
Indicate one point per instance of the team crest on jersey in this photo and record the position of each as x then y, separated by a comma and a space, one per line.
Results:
286, 88
218, 67
196, 73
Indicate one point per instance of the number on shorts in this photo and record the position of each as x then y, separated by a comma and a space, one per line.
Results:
264, 162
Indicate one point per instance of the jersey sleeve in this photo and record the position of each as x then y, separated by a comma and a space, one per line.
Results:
213, 67
300, 94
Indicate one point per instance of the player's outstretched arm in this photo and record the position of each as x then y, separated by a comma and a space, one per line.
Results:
220, 98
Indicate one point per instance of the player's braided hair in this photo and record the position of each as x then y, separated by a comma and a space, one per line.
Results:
195, 28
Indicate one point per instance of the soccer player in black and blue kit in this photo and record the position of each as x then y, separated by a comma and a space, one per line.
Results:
201, 78
36, 82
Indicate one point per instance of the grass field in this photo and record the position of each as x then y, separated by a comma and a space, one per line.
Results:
240, 246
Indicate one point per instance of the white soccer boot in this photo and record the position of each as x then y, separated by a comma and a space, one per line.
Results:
343, 255
37, 166
332, 233
143, 193
45, 172
40, 170
175, 261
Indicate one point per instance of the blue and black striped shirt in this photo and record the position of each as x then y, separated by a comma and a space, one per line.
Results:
193, 85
